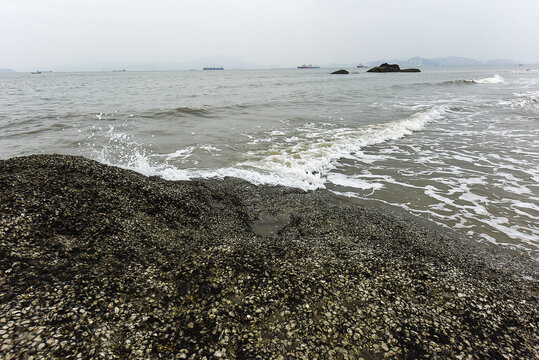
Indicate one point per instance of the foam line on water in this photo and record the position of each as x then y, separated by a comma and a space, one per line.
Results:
141, 163
354, 182
496, 79
308, 160
303, 163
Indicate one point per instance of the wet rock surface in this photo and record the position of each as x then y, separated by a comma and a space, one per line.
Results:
100, 262
385, 67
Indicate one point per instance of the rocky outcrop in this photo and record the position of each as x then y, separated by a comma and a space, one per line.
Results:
410, 70
385, 67
342, 71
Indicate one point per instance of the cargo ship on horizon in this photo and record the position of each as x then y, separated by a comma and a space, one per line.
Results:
310, 66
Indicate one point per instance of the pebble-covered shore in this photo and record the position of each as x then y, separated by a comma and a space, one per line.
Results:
100, 262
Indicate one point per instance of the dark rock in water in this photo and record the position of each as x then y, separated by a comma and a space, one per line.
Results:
342, 71
385, 67
410, 70
100, 262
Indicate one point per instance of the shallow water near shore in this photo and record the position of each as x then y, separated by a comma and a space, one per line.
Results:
457, 146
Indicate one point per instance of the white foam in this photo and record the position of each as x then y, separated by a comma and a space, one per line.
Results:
476, 202
525, 205
496, 79
463, 224
473, 198
464, 158
140, 163
188, 152
302, 160
252, 176
488, 238
291, 139
514, 232
435, 193
209, 148
181, 153
517, 189
369, 158
529, 96
354, 182
317, 150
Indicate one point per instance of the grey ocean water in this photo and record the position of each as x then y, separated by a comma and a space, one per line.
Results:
456, 146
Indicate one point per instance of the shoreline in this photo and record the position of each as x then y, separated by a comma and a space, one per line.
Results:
106, 262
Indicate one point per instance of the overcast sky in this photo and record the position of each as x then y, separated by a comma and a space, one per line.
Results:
43, 34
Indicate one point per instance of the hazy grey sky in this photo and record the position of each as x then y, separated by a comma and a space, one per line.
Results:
53, 33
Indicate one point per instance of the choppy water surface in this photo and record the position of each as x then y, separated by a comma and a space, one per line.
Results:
456, 146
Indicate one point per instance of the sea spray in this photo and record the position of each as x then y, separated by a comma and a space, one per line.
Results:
309, 159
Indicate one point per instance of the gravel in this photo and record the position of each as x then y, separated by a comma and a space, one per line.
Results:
101, 262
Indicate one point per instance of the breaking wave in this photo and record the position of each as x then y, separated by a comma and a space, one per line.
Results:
300, 160
496, 79
308, 158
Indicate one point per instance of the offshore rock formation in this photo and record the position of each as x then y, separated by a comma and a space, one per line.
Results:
410, 70
342, 71
385, 67
100, 262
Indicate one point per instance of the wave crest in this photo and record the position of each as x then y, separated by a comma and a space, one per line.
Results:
300, 160
178, 112
317, 152
496, 79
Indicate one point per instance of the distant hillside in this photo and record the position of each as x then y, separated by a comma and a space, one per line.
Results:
441, 61
6, 71
419, 62
412, 62
456, 61
501, 62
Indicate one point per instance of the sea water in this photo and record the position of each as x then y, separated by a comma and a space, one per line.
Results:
457, 146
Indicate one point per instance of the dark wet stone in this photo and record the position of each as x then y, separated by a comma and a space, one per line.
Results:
385, 67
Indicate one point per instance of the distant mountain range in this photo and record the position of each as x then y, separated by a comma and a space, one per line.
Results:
420, 62
230, 63
441, 61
